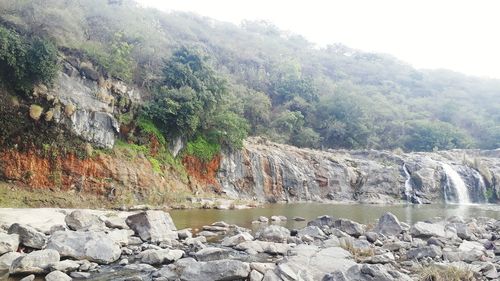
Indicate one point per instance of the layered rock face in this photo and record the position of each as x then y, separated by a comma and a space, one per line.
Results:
273, 172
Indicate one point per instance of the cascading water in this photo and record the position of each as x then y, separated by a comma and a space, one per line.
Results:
453, 180
409, 187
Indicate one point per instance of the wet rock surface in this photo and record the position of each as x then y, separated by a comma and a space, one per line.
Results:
325, 249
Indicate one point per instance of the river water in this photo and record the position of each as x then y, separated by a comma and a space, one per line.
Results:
362, 213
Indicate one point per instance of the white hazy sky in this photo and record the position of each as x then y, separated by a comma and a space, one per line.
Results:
461, 35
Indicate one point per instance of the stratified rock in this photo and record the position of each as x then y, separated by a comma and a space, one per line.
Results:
274, 233
84, 220
92, 246
237, 239
162, 256
216, 270
35, 262
431, 251
350, 227
8, 243
424, 229
153, 226
28, 236
57, 276
388, 225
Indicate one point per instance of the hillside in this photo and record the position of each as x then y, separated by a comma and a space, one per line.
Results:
255, 79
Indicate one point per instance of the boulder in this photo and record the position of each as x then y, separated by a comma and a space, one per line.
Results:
388, 225
28, 236
322, 221
350, 227
120, 236
30, 277
237, 239
57, 276
255, 276
8, 243
162, 256
371, 236
424, 229
313, 231
35, 262
66, 266
274, 233
7, 259
372, 272
382, 258
311, 263
212, 253
89, 245
431, 251
153, 226
254, 247
216, 270
84, 220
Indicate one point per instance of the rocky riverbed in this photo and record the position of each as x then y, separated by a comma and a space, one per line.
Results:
58, 244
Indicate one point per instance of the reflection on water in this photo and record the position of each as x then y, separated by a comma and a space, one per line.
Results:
362, 213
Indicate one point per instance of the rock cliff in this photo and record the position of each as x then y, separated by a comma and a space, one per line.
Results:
273, 172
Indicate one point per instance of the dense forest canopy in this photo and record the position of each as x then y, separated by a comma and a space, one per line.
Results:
217, 82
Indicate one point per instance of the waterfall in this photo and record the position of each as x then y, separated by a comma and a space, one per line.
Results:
453, 180
409, 188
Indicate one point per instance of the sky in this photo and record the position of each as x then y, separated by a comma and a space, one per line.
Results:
460, 35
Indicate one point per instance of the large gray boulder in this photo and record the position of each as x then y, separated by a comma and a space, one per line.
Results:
57, 276
237, 239
216, 270
350, 227
155, 257
84, 220
28, 236
426, 230
388, 225
88, 245
312, 231
308, 262
431, 251
274, 233
35, 262
322, 221
8, 243
153, 226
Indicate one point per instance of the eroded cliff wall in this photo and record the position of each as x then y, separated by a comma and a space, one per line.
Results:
268, 171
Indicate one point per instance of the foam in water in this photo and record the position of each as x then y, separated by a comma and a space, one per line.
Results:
454, 180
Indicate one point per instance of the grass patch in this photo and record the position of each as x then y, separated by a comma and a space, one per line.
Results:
202, 149
446, 273
148, 127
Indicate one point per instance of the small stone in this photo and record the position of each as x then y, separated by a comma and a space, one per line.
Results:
263, 219
28, 278
80, 275
299, 219
57, 276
